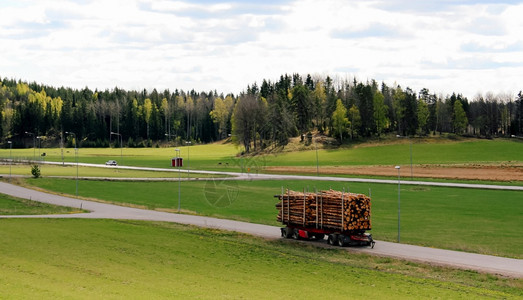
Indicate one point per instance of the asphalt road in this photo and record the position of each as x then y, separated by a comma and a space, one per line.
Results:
470, 261
253, 176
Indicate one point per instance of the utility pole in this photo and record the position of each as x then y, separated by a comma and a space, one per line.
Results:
399, 202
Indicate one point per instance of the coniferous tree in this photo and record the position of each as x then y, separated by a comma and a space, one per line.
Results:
285, 108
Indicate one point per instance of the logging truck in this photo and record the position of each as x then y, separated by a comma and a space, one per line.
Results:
343, 217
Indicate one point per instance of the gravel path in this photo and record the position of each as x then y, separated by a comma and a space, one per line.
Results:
483, 263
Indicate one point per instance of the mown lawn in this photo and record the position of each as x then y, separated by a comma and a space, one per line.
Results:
474, 220
86, 259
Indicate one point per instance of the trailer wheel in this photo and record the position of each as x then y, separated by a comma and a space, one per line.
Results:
296, 234
332, 239
341, 240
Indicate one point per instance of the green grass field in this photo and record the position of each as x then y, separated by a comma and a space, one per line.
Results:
86, 259
224, 156
56, 170
482, 221
16, 206
468, 151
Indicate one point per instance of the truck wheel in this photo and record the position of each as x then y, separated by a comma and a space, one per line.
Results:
289, 232
341, 241
332, 239
296, 234
286, 232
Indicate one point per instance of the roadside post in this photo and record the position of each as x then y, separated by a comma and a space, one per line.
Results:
10, 157
76, 157
120, 138
188, 143
399, 201
178, 162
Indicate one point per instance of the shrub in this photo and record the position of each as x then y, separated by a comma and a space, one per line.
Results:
35, 170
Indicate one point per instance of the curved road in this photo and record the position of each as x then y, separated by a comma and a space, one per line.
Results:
249, 176
483, 263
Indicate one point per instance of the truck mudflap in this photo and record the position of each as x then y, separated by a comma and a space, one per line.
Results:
361, 240
364, 239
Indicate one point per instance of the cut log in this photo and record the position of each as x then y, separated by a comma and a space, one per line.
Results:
327, 209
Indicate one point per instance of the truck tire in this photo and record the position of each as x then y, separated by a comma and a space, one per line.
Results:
341, 240
332, 239
296, 234
286, 232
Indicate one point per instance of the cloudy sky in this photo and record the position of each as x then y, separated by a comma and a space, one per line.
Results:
447, 46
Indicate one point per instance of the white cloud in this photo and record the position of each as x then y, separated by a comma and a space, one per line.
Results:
446, 46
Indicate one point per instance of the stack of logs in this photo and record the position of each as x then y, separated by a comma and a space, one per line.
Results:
326, 209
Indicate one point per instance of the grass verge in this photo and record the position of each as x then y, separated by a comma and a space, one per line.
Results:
16, 206
85, 259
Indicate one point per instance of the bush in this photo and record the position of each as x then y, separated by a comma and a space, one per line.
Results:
35, 170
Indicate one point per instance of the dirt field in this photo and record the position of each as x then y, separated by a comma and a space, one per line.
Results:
509, 172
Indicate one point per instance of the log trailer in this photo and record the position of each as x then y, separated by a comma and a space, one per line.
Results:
343, 217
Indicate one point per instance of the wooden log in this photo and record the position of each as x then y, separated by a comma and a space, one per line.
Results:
325, 208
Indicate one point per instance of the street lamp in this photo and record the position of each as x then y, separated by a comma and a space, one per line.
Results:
399, 136
10, 157
120, 136
39, 138
169, 136
76, 157
179, 179
399, 201
34, 143
188, 143
62, 146
317, 161
231, 135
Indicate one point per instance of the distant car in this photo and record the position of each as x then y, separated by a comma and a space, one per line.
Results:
111, 163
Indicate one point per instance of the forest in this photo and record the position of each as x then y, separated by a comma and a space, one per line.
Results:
263, 115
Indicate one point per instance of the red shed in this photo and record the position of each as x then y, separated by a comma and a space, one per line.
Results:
177, 162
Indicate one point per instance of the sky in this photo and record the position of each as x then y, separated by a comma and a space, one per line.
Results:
446, 46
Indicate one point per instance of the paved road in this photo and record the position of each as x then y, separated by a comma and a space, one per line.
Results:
248, 176
478, 262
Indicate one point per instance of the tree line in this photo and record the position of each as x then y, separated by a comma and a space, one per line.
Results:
263, 115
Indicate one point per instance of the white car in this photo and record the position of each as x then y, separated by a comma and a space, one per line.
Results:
111, 163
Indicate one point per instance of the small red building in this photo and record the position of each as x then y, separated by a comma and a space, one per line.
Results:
177, 162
